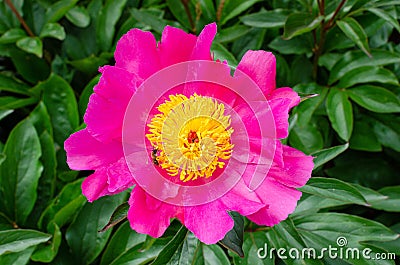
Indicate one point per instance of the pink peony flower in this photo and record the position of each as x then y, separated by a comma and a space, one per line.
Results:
179, 146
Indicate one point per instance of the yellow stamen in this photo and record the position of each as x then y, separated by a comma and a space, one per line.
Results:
192, 136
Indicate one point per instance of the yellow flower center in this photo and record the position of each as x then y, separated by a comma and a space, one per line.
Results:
190, 136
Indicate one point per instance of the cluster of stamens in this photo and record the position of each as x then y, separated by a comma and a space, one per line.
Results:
192, 136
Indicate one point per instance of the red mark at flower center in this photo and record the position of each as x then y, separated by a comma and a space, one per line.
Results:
192, 137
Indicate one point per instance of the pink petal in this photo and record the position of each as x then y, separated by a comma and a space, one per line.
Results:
280, 201
137, 52
116, 84
281, 101
202, 48
106, 109
297, 168
144, 220
119, 176
285, 93
176, 46
280, 110
242, 200
95, 186
250, 120
209, 222
261, 67
212, 90
85, 152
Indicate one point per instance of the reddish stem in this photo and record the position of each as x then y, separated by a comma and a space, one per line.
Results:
20, 19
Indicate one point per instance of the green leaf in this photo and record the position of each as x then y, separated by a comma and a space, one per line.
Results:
307, 107
311, 204
124, 239
31, 45
82, 235
210, 255
355, 59
232, 33
138, 255
89, 65
363, 138
376, 99
385, 3
47, 252
108, 18
391, 203
324, 229
19, 239
78, 16
22, 168
253, 40
333, 189
40, 119
17, 258
47, 181
207, 10
13, 85
231, 9
300, 23
233, 240
57, 10
147, 18
31, 68
61, 105
53, 30
340, 113
284, 235
5, 113
353, 30
323, 156
367, 74
7, 16
387, 130
12, 35
63, 208
186, 252
266, 19
2, 158
288, 233
328, 60
85, 95
306, 138
392, 247
386, 16
253, 241
171, 248
119, 214
15, 103
297, 45
178, 9
222, 53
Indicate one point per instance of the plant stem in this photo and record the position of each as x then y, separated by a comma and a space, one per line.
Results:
20, 19
319, 46
330, 22
189, 15
219, 10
